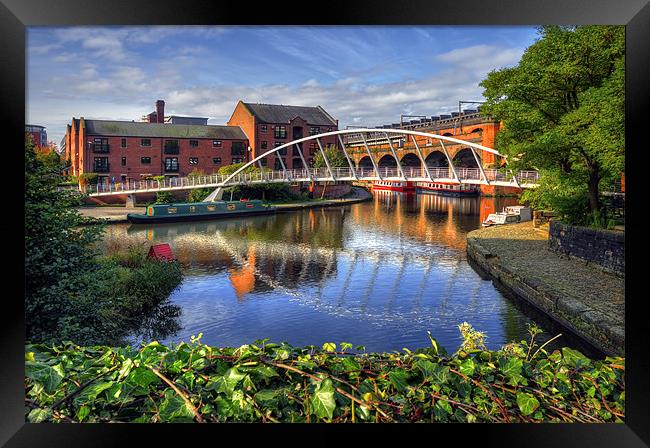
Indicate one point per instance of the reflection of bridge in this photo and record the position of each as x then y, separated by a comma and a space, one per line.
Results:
389, 167
305, 272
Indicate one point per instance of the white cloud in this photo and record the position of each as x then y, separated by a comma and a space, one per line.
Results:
481, 58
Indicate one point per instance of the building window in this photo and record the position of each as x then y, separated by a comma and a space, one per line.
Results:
123, 161
280, 132
216, 160
194, 160
263, 161
101, 165
314, 130
123, 178
263, 128
278, 165
171, 163
145, 160
283, 151
237, 149
237, 160
145, 142
313, 147
194, 143
264, 144
216, 143
123, 143
171, 147
100, 145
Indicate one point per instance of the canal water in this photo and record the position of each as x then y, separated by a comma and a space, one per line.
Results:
378, 274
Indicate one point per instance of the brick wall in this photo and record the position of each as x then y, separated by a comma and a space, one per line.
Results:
603, 248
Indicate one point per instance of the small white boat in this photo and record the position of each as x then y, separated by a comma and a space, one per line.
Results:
496, 219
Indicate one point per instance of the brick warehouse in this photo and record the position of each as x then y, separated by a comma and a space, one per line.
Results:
270, 125
126, 150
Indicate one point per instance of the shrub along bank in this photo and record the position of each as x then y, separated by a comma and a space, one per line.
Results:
268, 382
71, 292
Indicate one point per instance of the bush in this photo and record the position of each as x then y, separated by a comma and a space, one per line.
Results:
70, 294
270, 382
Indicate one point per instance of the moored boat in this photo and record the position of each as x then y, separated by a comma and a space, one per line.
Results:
196, 211
509, 215
393, 185
447, 188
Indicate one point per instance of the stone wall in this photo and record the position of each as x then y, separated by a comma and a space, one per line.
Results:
603, 248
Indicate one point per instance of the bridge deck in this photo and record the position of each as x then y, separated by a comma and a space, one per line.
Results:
524, 179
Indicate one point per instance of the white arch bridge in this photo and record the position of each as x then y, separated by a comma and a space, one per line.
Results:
424, 173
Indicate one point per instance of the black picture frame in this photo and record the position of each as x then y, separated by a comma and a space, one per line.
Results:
16, 15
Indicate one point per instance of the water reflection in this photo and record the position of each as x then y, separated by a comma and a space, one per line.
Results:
379, 273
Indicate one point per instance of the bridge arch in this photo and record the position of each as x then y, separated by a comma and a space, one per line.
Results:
388, 161
281, 150
365, 162
465, 159
411, 160
477, 130
436, 159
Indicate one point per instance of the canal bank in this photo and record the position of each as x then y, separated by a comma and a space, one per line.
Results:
581, 297
117, 214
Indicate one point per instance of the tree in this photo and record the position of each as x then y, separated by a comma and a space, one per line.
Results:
57, 247
335, 157
197, 194
562, 108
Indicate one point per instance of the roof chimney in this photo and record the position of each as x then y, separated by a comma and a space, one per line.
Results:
160, 111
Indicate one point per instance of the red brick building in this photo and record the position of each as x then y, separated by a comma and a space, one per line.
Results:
39, 136
125, 150
271, 125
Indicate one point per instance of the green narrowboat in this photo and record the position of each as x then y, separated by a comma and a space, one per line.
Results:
195, 211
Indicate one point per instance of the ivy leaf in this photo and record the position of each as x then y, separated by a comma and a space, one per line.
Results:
467, 367
48, 376
527, 403
329, 347
174, 408
511, 368
574, 358
39, 415
399, 379
322, 402
90, 393
142, 377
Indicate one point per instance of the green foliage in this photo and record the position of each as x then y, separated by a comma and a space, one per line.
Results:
70, 294
89, 178
563, 112
229, 169
270, 382
197, 194
164, 197
334, 155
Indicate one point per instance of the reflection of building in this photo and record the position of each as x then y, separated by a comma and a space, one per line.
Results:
259, 253
243, 278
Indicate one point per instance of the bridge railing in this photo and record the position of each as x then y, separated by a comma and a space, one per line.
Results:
320, 174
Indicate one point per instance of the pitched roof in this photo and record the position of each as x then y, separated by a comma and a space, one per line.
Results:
279, 113
141, 129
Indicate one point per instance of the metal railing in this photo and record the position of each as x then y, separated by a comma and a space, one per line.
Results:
471, 175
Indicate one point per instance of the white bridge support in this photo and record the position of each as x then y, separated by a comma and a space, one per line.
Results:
524, 179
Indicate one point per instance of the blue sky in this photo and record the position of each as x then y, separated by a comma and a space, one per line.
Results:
361, 75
